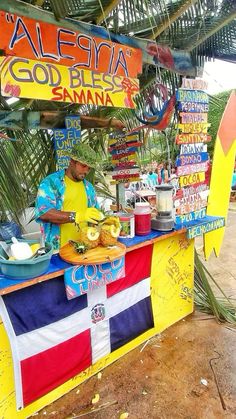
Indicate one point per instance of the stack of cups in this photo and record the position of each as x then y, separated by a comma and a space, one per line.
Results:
142, 216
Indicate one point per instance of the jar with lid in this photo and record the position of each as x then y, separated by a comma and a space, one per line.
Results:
142, 217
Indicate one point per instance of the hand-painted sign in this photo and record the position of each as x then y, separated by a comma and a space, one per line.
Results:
192, 198
192, 138
193, 148
192, 179
193, 107
65, 139
194, 84
196, 128
186, 159
191, 216
192, 118
192, 168
125, 180
29, 38
191, 190
205, 228
122, 151
196, 96
80, 280
127, 176
190, 207
27, 78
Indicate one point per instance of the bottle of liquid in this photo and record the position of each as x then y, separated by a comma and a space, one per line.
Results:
142, 217
20, 250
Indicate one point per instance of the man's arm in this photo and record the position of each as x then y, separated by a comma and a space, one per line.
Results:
56, 217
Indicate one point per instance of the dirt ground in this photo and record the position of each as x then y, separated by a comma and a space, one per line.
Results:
189, 371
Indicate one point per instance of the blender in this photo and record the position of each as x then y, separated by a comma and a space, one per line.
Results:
164, 220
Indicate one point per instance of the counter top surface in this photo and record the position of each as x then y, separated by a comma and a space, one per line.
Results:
57, 265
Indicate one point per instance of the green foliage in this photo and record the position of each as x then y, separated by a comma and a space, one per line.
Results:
216, 109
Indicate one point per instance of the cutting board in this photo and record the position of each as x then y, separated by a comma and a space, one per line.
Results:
93, 256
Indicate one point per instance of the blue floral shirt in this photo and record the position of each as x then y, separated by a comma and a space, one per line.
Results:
51, 196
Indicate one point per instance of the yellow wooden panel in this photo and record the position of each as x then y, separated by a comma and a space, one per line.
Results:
172, 280
218, 201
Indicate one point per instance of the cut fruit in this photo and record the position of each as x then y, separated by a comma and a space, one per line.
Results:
92, 234
115, 231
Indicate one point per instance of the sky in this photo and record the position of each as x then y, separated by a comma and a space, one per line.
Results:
220, 76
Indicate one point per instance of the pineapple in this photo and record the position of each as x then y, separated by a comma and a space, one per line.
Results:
110, 231
89, 236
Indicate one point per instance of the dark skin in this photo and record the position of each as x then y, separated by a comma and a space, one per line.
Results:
76, 171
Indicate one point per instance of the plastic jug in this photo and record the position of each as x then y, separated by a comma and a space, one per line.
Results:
20, 250
142, 216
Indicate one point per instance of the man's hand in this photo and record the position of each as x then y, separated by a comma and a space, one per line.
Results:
91, 215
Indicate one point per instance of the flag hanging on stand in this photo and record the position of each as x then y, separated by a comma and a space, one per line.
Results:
53, 339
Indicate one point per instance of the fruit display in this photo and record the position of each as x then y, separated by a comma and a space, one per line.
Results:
105, 233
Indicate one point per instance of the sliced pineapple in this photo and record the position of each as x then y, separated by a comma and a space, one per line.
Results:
92, 233
106, 238
115, 231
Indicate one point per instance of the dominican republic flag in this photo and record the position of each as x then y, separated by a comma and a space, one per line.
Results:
53, 339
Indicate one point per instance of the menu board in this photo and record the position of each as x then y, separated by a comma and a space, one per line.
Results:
65, 139
123, 148
192, 163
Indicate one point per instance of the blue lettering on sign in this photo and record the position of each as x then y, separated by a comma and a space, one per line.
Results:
186, 159
81, 279
205, 228
191, 216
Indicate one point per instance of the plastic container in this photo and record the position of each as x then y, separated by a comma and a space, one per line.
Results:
26, 269
142, 216
127, 225
20, 250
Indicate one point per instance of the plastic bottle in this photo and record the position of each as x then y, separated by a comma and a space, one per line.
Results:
20, 250
142, 217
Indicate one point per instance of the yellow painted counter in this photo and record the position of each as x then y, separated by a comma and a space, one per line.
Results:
172, 273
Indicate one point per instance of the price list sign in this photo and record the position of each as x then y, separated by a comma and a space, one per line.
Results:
123, 148
192, 163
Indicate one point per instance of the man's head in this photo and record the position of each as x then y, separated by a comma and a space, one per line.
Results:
83, 157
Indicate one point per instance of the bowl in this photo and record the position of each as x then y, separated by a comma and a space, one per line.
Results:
28, 268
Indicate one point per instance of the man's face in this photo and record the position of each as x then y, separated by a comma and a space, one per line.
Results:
78, 170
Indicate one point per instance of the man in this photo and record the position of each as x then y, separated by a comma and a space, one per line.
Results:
65, 198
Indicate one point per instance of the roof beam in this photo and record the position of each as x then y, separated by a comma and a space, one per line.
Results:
106, 11
171, 19
217, 28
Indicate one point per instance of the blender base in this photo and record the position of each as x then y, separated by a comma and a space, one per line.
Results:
162, 223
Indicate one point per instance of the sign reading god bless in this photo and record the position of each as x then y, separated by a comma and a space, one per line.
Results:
48, 62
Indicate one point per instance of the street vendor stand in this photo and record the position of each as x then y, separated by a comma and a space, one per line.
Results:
164, 260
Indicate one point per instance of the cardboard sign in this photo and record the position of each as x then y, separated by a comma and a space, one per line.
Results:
192, 168
196, 96
205, 228
192, 179
192, 138
28, 78
191, 216
192, 118
193, 107
186, 159
28, 38
196, 128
